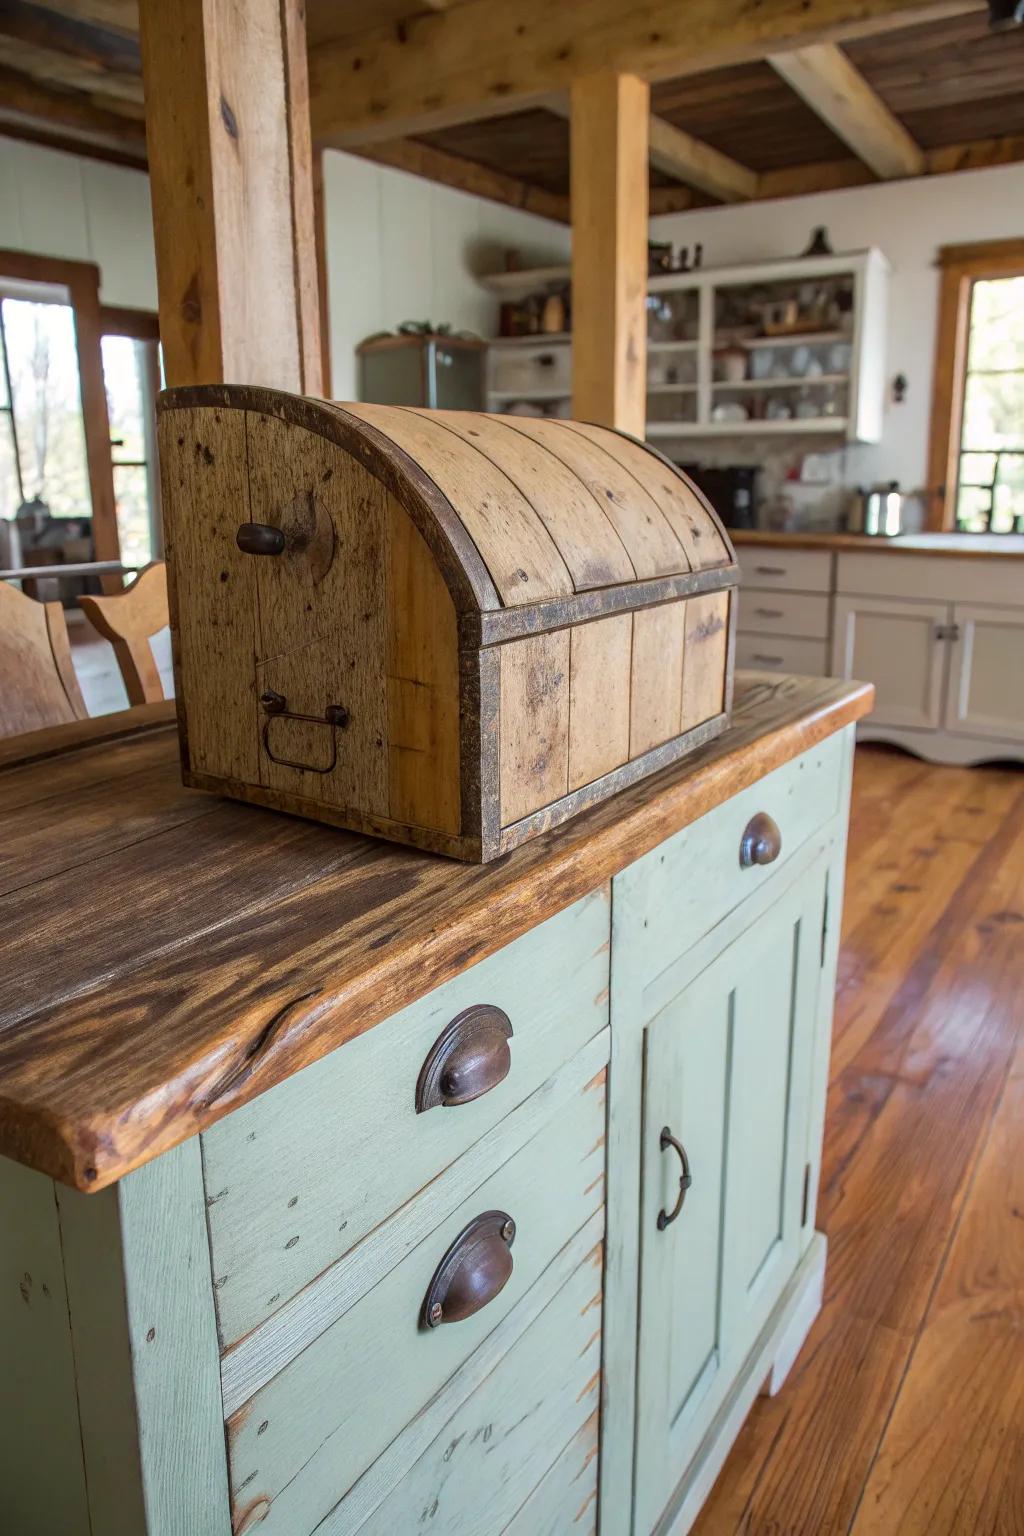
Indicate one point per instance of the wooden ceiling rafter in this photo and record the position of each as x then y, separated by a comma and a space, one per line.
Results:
437, 165
823, 76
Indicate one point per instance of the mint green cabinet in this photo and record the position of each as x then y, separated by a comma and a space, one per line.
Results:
727, 1071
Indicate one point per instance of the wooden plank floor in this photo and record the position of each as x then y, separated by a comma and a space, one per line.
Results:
904, 1415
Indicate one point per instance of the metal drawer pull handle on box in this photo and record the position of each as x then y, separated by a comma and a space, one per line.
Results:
473, 1271
770, 570
761, 842
469, 1057
260, 539
666, 1218
769, 613
275, 706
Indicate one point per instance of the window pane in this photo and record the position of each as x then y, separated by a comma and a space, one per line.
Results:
997, 324
128, 405
972, 506
977, 468
131, 492
10, 492
994, 411
4, 397
43, 358
1008, 499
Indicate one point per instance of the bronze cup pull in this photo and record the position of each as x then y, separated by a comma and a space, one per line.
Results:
666, 1218
469, 1057
473, 1271
761, 842
260, 539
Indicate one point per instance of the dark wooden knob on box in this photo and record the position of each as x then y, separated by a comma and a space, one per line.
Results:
469, 1057
761, 842
260, 539
475, 1268
666, 1218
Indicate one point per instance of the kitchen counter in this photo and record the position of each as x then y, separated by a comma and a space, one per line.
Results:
171, 955
985, 545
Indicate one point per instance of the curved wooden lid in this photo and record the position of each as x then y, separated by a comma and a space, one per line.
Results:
557, 507
518, 510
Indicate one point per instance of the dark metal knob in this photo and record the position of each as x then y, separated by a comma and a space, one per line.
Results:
469, 1057
761, 842
260, 539
473, 1271
666, 1218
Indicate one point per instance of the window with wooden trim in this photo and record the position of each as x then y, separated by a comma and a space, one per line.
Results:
132, 378
976, 461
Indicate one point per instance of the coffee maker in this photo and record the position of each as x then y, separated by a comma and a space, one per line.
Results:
731, 490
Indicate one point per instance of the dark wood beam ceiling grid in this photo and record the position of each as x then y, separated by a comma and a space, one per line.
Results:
928, 69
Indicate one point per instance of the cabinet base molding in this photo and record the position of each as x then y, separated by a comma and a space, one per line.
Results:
943, 747
767, 1365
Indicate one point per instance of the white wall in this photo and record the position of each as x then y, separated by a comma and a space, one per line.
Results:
908, 221
400, 248
54, 204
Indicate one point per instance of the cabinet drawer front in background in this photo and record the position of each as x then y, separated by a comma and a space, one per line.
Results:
299, 1445
784, 613
695, 878
778, 653
799, 570
296, 1178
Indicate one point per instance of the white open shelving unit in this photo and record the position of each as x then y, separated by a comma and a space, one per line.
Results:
537, 370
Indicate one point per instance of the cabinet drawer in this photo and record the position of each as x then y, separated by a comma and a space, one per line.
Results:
784, 613
801, 570
779, 653
696, 878
301, 1442
491, 1455
298, 1177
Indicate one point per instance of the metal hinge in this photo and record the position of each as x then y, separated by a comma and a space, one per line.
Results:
947, 631
807, 1194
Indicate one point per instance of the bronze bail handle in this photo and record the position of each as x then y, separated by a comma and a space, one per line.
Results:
666, 1218
470, 1056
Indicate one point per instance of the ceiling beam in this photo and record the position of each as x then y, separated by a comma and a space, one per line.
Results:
465, 176
27, 106
690, 160
495, 56
52, 66
834, 89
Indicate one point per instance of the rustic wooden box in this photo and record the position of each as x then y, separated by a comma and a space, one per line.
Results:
449, 629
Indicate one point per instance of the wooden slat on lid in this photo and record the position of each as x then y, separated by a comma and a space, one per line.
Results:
696, 530
514, 544
636, 517
587, 541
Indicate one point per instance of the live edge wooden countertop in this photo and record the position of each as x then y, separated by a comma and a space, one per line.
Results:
169, 955
993, 546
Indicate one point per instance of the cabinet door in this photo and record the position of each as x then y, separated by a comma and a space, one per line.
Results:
727, 1072
986, 674
894, 643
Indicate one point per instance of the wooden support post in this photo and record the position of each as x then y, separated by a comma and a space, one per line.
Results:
610, 115
230, 163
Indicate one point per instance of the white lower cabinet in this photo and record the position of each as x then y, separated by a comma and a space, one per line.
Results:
727, 1077
897, 644
986, 673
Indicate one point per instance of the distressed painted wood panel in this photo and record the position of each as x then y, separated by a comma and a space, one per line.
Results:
205, 498
636, 517
42, 1475
517, 549
705, 648
656, 690
297, 1178
472, 1480
422, 683
533, 723
301, 1442
322, 612
566, 1497
593, 552
599, 689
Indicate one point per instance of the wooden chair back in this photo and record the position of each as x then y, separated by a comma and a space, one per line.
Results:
128, 620
38, 685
